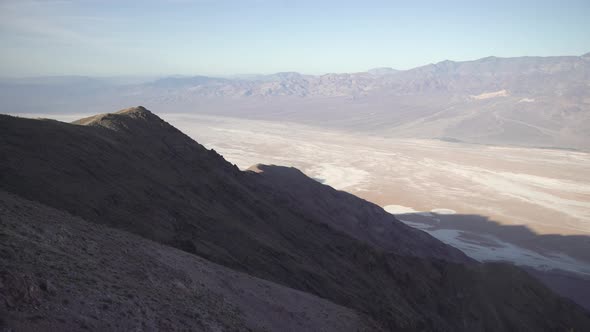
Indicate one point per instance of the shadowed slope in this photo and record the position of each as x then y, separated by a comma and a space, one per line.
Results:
135, 172
73, 275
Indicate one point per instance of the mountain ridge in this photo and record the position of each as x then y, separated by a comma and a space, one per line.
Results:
135, 173
546, 100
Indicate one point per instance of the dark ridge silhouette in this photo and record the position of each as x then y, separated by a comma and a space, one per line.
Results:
134, 172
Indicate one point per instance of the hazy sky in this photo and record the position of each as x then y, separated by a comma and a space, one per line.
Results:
216, 37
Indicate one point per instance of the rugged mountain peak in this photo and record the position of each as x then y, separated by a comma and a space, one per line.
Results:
135, 121
134, 110
138, 112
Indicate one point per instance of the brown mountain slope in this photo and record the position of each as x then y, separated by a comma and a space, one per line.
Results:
59, 272
135, 172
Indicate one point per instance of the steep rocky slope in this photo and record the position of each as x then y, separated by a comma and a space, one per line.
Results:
134, 172
61, 273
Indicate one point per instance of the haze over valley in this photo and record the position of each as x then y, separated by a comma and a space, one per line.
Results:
524, 101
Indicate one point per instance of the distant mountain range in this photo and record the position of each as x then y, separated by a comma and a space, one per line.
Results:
122, 222
531, 101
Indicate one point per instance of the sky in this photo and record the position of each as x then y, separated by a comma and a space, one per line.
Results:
220, 37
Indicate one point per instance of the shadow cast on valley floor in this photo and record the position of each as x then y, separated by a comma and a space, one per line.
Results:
575, 246
480, 229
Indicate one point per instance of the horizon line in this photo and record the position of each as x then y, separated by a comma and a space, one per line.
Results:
229, 76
